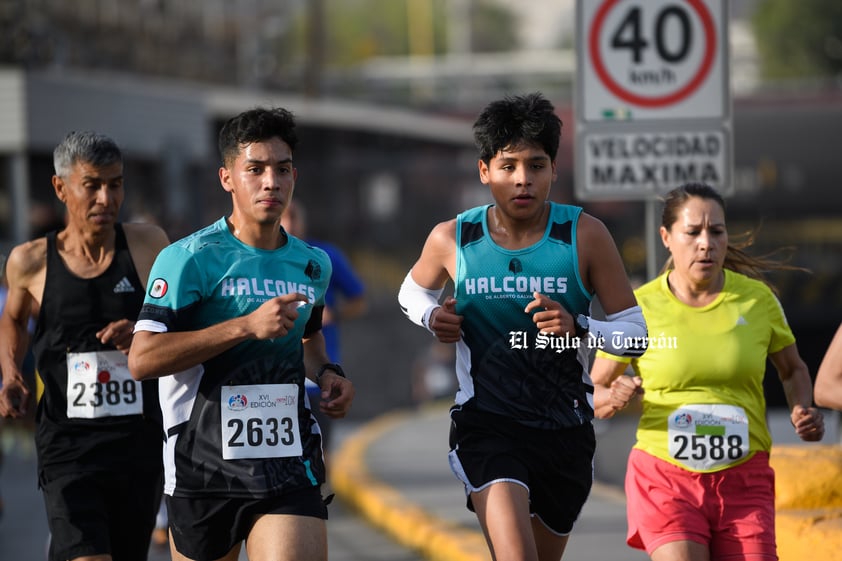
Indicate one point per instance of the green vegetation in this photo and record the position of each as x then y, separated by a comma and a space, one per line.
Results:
356, 30
799, 38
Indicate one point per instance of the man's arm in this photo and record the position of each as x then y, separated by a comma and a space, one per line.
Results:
798, 388
624, 332
154, 354
337, 392
422, 287
145, 241
437, 262
603, 271
25, 266
828, 390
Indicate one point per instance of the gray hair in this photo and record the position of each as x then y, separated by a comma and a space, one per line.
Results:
85, 146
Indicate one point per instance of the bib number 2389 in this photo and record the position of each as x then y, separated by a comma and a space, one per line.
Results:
99, 385
707, 436
260, 421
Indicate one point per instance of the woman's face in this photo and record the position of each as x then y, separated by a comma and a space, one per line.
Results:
698, 240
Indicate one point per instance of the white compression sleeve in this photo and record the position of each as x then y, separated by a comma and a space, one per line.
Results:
418, 302
622, 334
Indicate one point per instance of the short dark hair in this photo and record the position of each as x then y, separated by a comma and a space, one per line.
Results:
84, 146
517, 120
256, 125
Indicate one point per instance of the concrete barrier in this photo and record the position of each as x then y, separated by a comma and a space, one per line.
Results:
808, 501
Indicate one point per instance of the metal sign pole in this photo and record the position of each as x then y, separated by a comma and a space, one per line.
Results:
651, 225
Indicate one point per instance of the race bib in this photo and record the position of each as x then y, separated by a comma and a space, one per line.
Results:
260, 421
708, 436
99, 385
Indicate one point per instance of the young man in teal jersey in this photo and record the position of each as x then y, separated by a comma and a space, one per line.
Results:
231, 325
524, 271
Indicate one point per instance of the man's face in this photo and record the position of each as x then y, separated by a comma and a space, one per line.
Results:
261, 179
92, 194
520, 178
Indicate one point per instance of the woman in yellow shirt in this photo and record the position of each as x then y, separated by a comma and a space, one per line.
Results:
698, 484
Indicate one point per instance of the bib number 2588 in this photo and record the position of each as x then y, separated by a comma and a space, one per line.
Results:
702, 447
708, 436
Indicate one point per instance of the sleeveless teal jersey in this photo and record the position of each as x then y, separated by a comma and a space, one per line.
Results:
204, 279
504, 365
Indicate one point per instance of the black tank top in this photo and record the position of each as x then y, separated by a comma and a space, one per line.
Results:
72, 311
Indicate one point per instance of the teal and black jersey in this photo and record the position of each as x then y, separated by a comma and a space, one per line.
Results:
239, 424
504, 365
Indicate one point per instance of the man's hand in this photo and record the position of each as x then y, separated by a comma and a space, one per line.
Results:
615, 397
337, 394
118, 333
554, 319
445, 323
14, 396
808, 423
623, 389
274, 318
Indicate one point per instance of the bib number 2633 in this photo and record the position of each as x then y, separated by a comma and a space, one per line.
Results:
260, 421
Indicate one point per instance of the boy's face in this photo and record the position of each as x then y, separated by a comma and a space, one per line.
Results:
261, 179
520, 178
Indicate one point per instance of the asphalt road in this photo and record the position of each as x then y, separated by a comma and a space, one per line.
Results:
24, 533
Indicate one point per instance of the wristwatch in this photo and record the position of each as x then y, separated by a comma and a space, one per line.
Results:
330, 366
582, 324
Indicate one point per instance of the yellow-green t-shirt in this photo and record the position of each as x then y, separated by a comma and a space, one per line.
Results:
703, 406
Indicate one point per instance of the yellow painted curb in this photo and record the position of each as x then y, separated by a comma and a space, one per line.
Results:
387, 509
809, 534
808, 501
807, 476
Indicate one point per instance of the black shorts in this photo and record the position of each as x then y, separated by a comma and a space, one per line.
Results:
206, 529
101, 513
555, 466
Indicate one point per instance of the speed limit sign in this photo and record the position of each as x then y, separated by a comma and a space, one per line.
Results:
652, 59
653, 107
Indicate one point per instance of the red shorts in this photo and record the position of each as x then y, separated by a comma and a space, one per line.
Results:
731, 511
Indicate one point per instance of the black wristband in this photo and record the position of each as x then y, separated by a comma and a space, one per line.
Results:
330, 366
